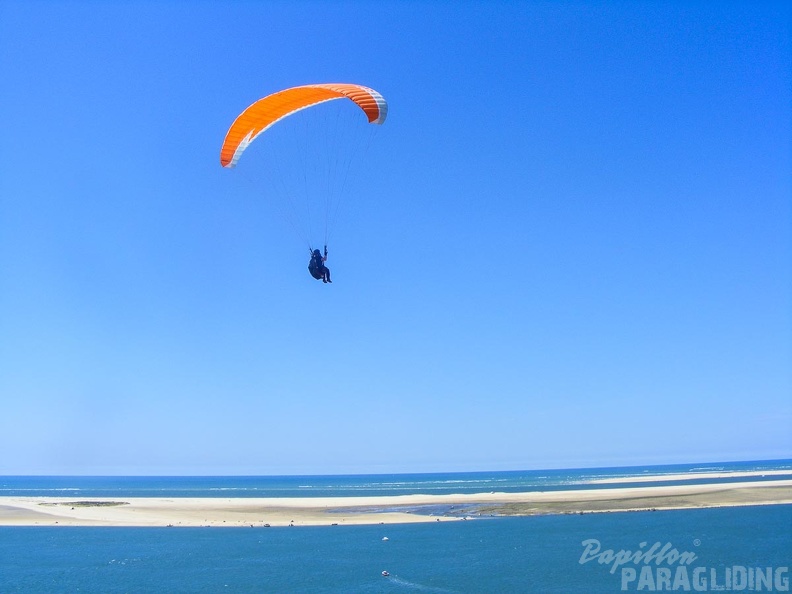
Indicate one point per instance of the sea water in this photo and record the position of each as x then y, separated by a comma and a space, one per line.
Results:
375, 484
724, 549
529, 554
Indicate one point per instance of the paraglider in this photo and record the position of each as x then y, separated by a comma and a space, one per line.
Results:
307, 168
317, 266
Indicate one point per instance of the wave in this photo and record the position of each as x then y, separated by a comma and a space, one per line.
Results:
416, 585
370, 485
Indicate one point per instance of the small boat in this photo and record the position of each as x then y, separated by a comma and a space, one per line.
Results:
385, 574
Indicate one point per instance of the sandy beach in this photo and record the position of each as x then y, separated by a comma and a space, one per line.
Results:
327, 511
691, 476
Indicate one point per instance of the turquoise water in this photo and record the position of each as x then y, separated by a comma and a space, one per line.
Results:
362, 485
530, 554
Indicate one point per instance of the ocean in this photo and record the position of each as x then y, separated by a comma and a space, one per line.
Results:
374, 484
725, 549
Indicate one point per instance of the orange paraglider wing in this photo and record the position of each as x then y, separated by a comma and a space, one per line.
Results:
265, 112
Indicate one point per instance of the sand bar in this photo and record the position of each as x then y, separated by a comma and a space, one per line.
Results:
326, 511
691, 476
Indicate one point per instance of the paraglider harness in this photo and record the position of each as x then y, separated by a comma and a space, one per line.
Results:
316, 266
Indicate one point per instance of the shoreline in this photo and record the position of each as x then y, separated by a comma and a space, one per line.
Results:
391, 509
690, 476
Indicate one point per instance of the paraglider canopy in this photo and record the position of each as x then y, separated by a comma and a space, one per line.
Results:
267, 111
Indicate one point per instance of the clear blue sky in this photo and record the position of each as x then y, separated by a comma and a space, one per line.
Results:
585, 210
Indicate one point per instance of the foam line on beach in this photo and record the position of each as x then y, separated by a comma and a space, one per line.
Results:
691, 476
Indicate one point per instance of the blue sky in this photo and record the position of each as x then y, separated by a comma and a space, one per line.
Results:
570, 242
